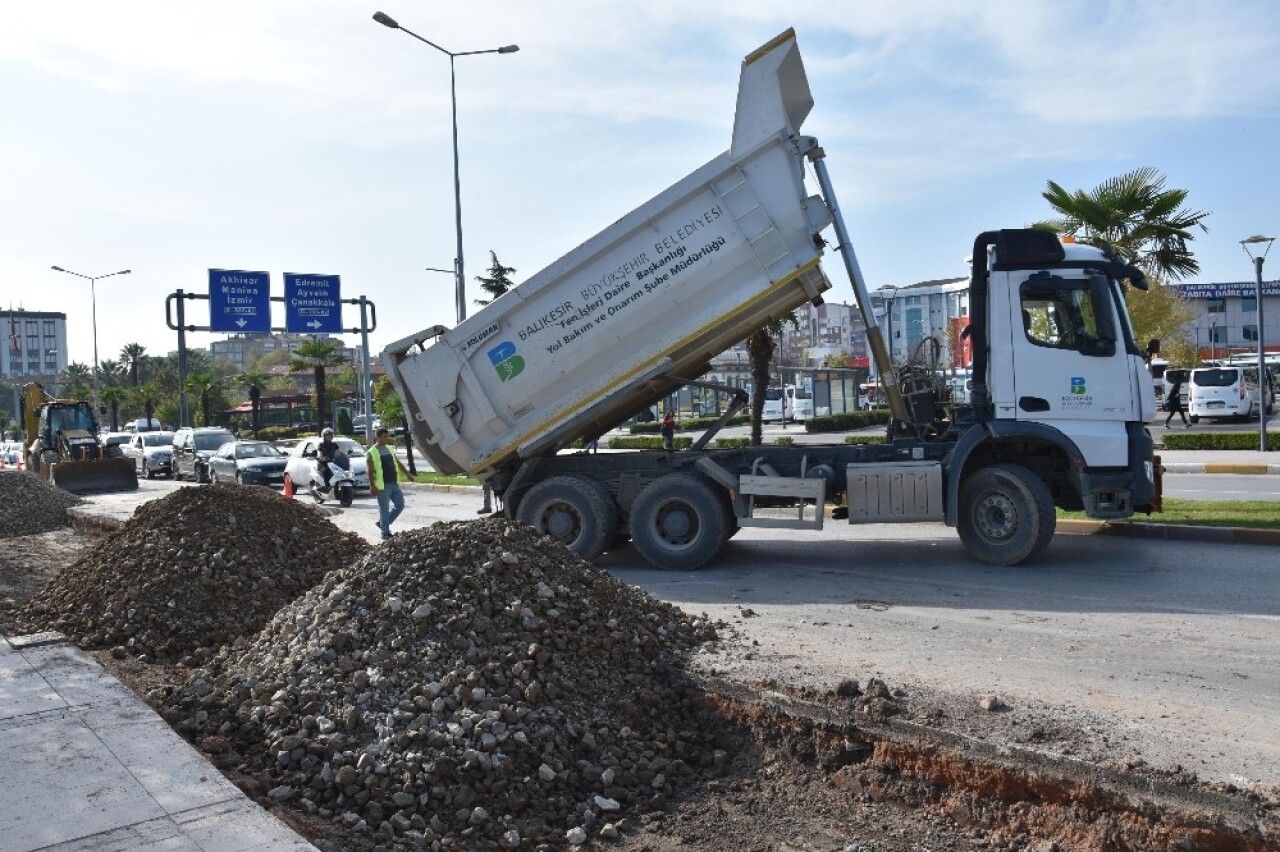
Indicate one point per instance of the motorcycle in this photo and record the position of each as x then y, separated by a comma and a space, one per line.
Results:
342, 482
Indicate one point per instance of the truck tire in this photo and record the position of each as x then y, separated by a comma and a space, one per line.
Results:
1006, 514
679, 522
573, 510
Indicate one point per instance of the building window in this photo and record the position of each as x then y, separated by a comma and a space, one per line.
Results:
48, 328
1249, 304
1251, 333
1217, 334
1217, 306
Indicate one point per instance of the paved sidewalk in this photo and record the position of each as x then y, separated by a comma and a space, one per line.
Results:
87, 765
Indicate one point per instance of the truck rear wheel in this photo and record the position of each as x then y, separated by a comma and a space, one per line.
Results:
573, 510
1006, 514
679, 522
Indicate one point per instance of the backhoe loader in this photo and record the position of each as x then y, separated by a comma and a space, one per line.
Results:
62, 446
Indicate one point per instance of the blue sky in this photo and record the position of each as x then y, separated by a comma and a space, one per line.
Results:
294, 136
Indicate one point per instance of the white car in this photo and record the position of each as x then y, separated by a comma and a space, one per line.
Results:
152, 453
11, 452
302, 462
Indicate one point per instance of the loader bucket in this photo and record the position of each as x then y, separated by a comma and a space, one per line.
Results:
95, 477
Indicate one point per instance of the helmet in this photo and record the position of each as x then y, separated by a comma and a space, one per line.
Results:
327, 433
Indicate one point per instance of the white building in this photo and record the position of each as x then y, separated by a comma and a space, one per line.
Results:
1226, 319
243, 349
35, 344
907, 315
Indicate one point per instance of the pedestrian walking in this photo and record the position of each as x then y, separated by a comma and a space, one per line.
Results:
668, 431
1173, 404
381, 463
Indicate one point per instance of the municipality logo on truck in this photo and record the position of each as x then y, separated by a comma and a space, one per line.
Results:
506, 361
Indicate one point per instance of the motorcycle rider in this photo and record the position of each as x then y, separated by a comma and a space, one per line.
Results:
326, 451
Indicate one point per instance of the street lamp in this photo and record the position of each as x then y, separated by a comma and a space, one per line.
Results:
1264, 386
93, 296
459, 278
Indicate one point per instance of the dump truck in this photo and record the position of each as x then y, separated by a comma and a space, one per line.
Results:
62, 446
1055, 417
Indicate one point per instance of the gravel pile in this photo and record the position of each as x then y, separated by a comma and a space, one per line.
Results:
29, 505
465, 686
196, 569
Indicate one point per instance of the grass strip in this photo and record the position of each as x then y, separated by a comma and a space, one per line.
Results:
1255, 514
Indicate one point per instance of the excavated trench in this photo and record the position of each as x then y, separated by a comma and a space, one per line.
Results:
1008, 790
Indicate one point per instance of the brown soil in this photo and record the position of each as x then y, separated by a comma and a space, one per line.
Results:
792, 771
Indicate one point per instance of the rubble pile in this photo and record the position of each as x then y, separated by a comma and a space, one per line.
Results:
196, 569
469, 685
31, 505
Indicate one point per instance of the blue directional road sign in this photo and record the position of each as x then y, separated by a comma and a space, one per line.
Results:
312, 303
239, 301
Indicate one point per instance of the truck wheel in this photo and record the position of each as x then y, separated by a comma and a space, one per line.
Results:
679, 522
574, 510
1006, 514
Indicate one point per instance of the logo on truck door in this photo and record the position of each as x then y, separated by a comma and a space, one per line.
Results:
506, 361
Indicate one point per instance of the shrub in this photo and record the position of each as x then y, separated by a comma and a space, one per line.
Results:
846, 421
1217, 440
278, 433
785, 441
731, 443
645, 442
691, 424
343, 426
864, 439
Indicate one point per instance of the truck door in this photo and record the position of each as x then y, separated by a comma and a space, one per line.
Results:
1069, 366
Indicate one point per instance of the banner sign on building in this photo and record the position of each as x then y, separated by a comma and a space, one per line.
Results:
1237, 289
239, 301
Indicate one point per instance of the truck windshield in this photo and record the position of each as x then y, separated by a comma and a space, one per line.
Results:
71, 419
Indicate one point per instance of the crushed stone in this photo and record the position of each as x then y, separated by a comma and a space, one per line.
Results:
190, 572
469, 685
31, 505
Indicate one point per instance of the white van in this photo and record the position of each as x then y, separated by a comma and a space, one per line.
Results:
1227, 392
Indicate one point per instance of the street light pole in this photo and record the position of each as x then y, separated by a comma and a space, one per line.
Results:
1264, 385
93, 297
458, 272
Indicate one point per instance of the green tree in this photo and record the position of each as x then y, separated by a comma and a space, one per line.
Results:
147, 396
76, 381
205, 384
254, 382
113, 395
1137, 219
498, 281
318, 355
131, 355
760, 349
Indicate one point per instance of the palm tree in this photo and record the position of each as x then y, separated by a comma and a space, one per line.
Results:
113, 395
318, 355
147, 396
498, 281
131, 354
76, 380
110, 372
206, 384
254, 382
1135, 217
760, 349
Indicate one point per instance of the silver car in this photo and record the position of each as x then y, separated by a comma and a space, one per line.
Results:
152, 453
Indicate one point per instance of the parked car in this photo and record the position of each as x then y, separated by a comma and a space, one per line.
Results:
11, 452
302, 461
152, 453
1227, 391
115, 443
192, 448
248, 463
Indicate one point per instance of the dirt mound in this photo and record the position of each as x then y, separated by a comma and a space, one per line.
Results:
31, 505
468, 683
190, 572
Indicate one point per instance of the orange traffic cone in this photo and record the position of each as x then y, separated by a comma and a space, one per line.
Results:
288, 487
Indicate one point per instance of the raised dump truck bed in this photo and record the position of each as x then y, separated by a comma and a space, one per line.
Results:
618, 322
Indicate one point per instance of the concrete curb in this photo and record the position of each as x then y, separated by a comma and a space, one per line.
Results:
1170, 532
1221, 467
